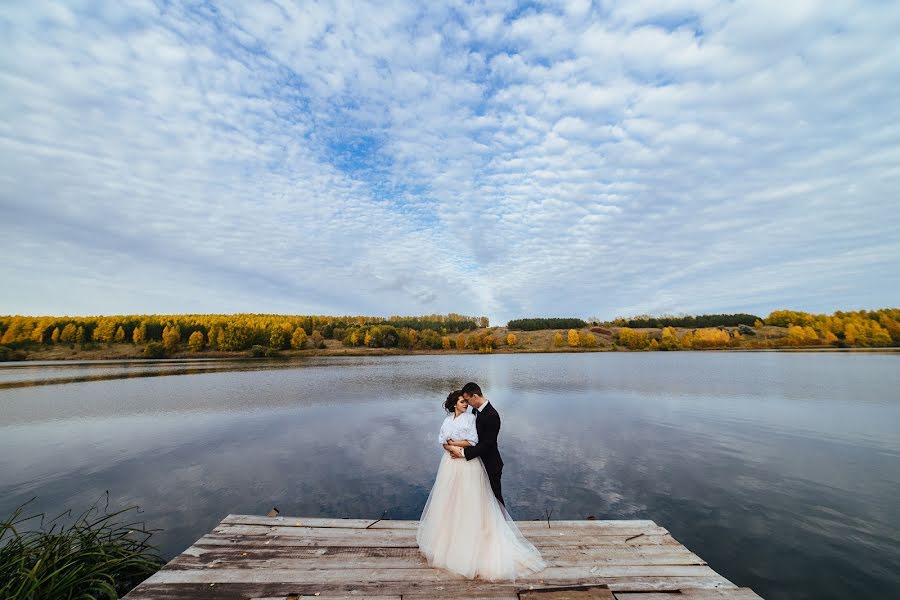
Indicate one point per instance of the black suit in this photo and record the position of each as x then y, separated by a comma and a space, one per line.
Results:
487, 424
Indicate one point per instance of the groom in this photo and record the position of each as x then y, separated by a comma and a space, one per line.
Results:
487, 424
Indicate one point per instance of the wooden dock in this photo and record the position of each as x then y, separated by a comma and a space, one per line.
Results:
277, 558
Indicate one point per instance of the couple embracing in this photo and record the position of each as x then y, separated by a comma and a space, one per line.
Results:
465, 527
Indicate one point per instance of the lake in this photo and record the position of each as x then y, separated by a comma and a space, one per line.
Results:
782, 470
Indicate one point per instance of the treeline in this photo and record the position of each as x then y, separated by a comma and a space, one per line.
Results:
853, 329
167, 334
646, 321
865, 328
539, 323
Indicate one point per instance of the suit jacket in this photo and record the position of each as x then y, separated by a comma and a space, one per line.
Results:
487, 424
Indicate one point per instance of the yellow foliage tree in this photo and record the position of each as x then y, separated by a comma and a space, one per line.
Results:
573, 338
461, 341
669, 339
445, 343
298, 338
710, 337
137, 336
586, 339
68, 333
120, 334
195, 341
631, 339
511, 339
171, 338
54, 337
804, 335
558, 340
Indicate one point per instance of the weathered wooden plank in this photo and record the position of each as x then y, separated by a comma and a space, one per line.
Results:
409, 524
388, 558
570, 593
362, 533
320, 597
261, 550
531, 531
340, 563
410, 541
297, 573
450, 588
693, 594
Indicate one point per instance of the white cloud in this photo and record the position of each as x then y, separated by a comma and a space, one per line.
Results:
680, 156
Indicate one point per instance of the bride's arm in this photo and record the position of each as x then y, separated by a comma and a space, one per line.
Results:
460, 443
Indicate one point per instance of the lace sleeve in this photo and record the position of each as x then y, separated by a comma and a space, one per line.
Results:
470, 431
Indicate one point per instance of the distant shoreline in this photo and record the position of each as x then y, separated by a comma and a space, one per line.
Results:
105, 355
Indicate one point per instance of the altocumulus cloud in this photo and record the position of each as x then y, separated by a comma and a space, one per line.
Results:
567, 158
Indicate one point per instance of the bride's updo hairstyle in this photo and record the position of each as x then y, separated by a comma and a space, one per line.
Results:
450, 402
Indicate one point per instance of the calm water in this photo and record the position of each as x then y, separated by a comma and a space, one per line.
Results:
781, 470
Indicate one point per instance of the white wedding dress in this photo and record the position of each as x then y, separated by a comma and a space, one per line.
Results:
463, 528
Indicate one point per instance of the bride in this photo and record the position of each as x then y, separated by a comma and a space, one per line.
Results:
464, 528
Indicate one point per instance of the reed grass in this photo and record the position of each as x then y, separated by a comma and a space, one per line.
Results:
98, 555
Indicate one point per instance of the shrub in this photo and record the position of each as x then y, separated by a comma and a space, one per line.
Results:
155, 350
97, 556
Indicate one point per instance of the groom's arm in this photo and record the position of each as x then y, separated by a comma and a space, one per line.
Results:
487, 441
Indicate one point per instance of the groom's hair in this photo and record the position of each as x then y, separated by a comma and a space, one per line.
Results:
472, 389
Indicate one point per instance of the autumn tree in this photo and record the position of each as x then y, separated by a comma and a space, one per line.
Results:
79, 335
195, 341
710, 337
668, 340
511, 339
586, 339
120, 334
558, 340
631, 339
280, 336
171, 338
573, 338
54, 337
105, 331
137, 336
68, 333
298, 339
462, 341
445, 343
317, 339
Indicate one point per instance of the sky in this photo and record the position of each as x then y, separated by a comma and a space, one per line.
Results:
587, 159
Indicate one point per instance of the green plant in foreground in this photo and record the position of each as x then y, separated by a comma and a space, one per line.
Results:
94, 557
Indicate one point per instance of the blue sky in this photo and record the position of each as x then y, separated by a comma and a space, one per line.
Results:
501, 159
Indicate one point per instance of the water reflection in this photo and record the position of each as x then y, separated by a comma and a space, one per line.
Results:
780, 470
